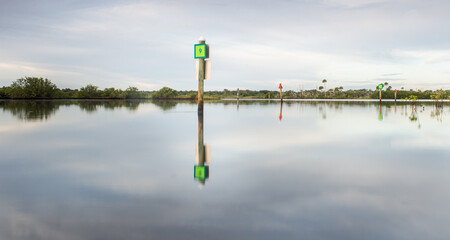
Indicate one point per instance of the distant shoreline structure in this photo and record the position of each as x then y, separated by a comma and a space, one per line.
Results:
40, 88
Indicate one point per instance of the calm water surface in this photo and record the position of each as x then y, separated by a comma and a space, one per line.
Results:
301, 170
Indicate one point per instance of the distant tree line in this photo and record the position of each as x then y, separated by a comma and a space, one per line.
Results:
39, 88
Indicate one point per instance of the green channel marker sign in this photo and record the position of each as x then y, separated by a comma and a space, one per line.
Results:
200, 172
200, 50
380, 86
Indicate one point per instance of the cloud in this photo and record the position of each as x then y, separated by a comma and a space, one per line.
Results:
391, 74
352, 3
390, 79
424, 142
21, 225
424, 56
146, 86
252, 45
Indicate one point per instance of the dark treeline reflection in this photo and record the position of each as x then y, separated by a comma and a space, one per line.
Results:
41, 110
165, 105
31, 110
410, 110
92, 106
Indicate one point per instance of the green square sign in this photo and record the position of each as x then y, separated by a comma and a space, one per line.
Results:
380, 86
200, 51
201, 172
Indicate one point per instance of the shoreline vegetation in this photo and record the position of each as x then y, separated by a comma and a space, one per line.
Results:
40, 88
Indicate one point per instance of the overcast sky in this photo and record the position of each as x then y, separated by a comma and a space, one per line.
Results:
253, 44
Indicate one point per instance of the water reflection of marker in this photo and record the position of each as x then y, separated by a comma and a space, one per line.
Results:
380, 115
202, 155
201, 173
281, 111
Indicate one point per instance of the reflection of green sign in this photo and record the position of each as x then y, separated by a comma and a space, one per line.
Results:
200, 50
200, 172
380, 86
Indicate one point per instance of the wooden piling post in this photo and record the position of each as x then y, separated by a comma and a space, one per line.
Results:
380, 95
201, 79
281, 89
379, 87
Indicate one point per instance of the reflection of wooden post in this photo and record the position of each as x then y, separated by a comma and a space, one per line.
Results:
281, 111
203, 155
380, 115
200, 148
